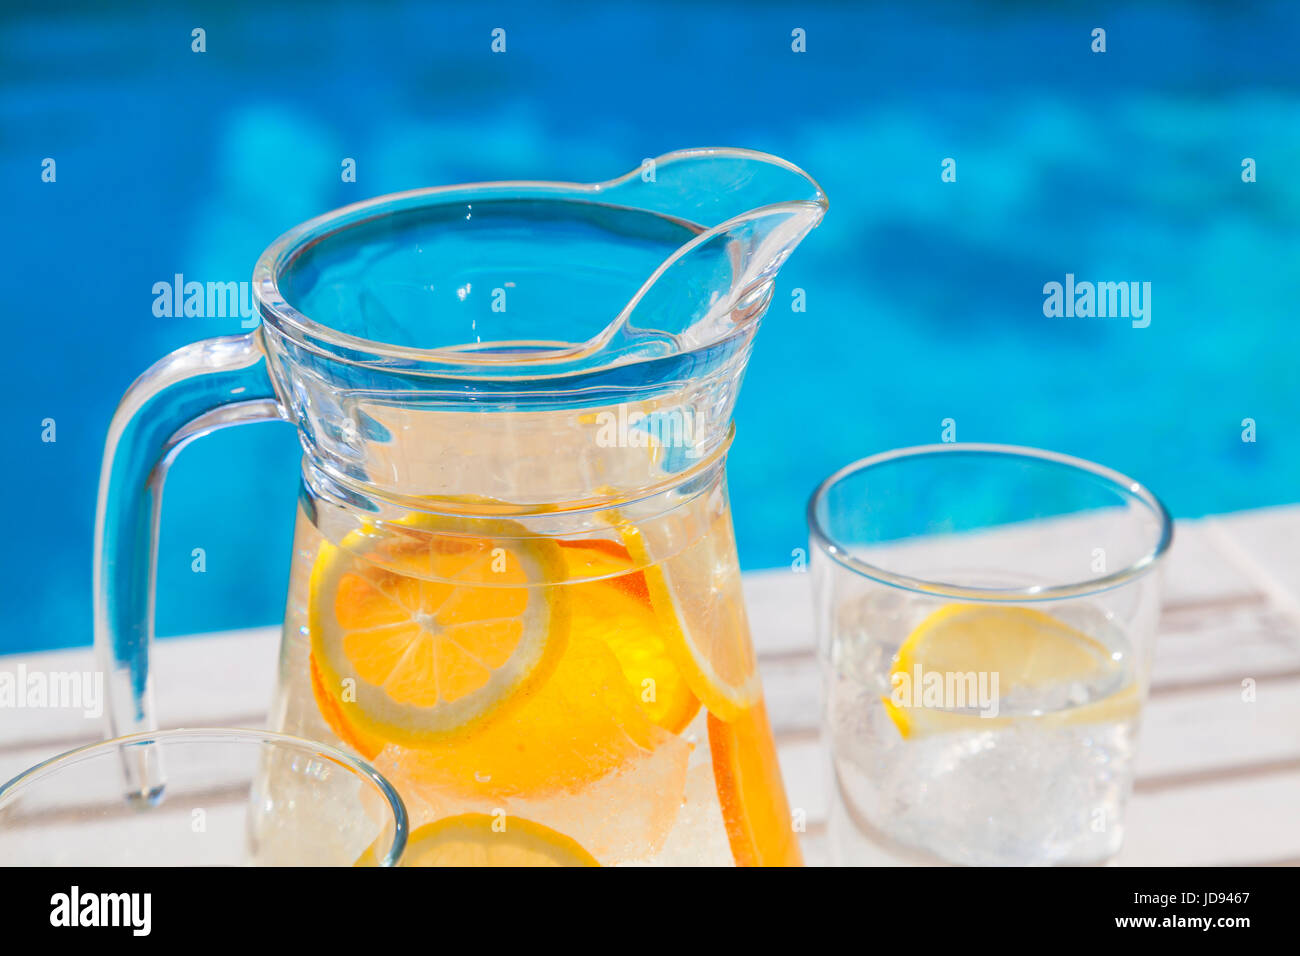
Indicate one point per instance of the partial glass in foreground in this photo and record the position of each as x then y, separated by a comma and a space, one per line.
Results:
230, 798
985, 627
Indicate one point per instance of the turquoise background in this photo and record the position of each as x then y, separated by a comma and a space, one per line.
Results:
924, 299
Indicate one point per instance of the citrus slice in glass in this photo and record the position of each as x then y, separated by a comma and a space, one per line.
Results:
332, 712
580, 725
1026, 648
424, 633
615, 608
480, 839
693, 583
589, 559
748, 777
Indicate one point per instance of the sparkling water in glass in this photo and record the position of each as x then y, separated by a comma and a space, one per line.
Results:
985, 623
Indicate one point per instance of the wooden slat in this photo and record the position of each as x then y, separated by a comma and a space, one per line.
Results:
1245, 820
779, 605
222, 679
1197, 572
1265, 545
1225, 646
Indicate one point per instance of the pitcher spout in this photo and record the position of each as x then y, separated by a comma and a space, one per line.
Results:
749, 209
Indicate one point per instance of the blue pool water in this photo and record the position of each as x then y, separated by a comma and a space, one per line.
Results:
924, 298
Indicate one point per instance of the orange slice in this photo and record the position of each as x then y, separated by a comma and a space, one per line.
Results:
478, 839
330, 709
600, 610
615, 608
630, 629
425, 633
609, 561
579, 726
749, 784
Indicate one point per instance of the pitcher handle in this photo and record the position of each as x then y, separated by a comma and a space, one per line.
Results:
195, 390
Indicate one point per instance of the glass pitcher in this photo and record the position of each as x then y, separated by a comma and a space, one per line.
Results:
514, 585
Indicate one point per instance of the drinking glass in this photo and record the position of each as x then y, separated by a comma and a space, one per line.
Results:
228, 798
985, 621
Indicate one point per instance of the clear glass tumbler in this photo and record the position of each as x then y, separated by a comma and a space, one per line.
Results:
229, 798
985, 619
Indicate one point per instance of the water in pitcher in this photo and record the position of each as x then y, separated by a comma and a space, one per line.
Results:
537, 698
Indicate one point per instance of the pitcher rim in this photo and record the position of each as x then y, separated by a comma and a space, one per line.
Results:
314, 336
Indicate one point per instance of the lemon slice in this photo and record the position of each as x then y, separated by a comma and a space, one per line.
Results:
424, 633
693, 582
478, 839
1025, 647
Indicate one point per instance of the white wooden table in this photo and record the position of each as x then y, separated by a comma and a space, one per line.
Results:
1218, 778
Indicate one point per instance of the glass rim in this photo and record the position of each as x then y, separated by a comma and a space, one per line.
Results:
342, 347
1125, 486
354, 765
